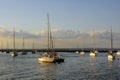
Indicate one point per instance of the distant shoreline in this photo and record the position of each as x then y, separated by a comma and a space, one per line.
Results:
61, 50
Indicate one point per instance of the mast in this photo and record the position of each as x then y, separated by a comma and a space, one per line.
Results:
50, 40
1, 46
94, 40
48, 32
111, 40
14, 40
23, 43
7, 44
33, 45
83, 44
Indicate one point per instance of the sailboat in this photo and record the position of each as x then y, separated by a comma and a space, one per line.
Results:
1, 46
95, 50
23, 53
50, 56
34, 50
77, 52
7, 49
82, 52
14, 53
92, 52
111, 55
118, 52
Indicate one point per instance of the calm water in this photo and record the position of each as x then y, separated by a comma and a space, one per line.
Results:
75, 67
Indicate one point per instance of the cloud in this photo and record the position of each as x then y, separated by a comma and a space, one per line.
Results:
4, 32
60, 33
72, 34
26, 34
103, 34
65, 37
65, 33
68, 34
19, 33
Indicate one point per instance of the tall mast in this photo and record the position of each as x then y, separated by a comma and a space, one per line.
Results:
48, 32
94, 40
14, 39
1, 45
7, 45
51, 40
83, 44
23, 43
33, 45
111, 39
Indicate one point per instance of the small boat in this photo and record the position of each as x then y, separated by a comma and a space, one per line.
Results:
7, 49
23, 52
77, 52
118, 52
92, 54
111, 55
14, 53
82, 52
34, 50
96, 51
50, 56
7, 52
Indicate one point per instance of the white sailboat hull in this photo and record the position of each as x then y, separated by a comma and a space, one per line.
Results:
13, 54
118, 53
77, 51
92, 54
82, 52
96, 51
111, 57
46, 59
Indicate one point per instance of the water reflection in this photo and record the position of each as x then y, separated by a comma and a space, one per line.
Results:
118, 60
110, 66
75, 67
113, 69
93, 66
48, 71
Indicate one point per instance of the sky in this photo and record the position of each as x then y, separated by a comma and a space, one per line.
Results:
71, 21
